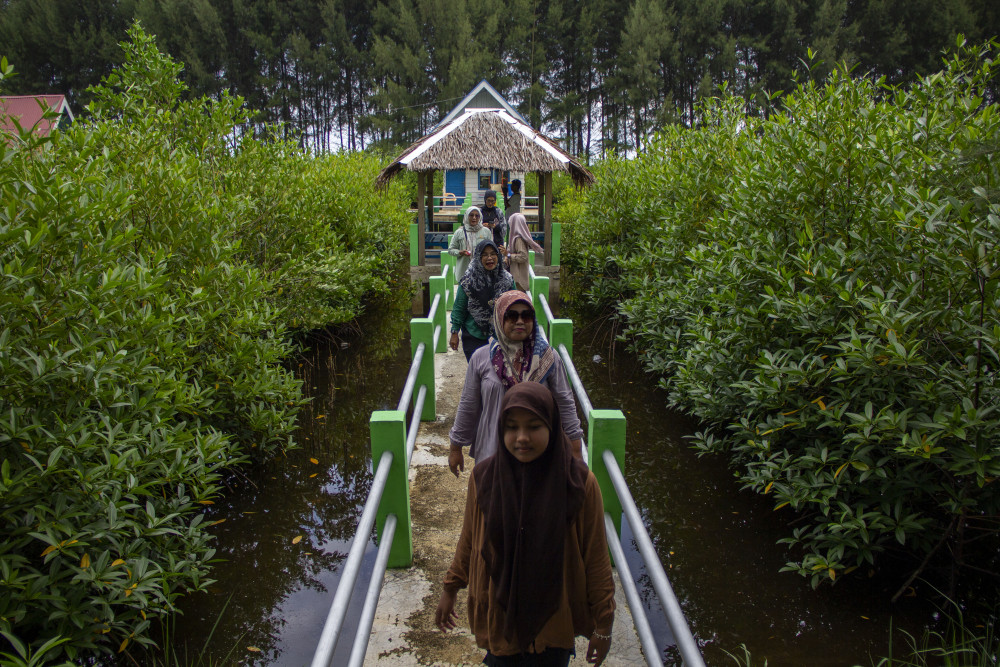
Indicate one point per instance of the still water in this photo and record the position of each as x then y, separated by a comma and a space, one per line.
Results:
288, 528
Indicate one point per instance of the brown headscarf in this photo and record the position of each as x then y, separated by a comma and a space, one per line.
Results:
528, 508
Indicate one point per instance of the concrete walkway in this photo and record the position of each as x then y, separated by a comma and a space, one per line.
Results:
404, 632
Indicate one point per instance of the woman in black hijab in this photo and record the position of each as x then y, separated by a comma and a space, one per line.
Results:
532, 552
493, 218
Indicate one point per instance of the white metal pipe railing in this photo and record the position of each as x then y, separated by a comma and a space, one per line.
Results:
411, 378
545, 307
338, 608
574, 380
661, 584
411, 434
371, 599
434, 306
646, 638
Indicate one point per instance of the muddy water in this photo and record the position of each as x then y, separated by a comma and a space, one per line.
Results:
719, 545
288, 527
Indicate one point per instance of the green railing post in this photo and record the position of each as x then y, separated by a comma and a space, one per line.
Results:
606, 431
422, 331
414, 250
531, 258
448, 260
556, 242
438, 286
561, 331
540, 287
388, 433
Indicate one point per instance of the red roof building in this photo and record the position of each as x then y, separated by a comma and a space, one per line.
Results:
27, 111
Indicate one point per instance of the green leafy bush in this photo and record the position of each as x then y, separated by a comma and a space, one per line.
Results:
820, 288
143, 321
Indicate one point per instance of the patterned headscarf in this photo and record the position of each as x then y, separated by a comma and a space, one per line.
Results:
483, 287
527, 511
518, 361
519, 230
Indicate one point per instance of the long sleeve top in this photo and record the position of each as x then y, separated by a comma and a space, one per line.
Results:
479, 407
588, 598
517, 253
463, 240
461, 318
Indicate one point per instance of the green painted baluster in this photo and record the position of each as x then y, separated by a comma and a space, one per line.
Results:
422, 331
606, 431
539, 288
448, 260
561, 331
388, 433
414, 250
438, 285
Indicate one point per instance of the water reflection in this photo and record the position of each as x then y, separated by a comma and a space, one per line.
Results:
719, 545
289, 525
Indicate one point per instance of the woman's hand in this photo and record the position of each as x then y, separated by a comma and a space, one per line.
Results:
467, 252
453, 343
597, 649
445, 615
456, 459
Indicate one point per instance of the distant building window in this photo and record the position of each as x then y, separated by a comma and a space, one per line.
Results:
484, 180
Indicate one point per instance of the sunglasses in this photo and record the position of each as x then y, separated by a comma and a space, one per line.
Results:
515, 315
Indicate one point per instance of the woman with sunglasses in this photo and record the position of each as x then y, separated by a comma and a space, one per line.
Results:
517, 352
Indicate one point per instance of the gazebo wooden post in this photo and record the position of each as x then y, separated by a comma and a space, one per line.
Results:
545, 213
421, 221
430, 199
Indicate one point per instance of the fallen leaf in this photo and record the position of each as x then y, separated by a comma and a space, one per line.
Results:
296, 539
207, 502
314, 474
253, 649
316, 461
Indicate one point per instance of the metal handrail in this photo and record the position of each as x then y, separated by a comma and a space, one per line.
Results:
411, 378
411, 435
574, 380
661, 585
371, 598
654, 568
642, 628
338, 608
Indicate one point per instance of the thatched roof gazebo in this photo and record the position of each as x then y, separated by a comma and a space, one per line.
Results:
486, 138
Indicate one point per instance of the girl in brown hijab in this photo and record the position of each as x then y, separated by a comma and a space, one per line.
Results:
532, 552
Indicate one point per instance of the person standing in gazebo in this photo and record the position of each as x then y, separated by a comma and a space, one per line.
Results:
465, 240
494, 220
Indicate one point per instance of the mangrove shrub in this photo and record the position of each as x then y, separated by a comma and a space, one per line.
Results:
820, 289
151, 262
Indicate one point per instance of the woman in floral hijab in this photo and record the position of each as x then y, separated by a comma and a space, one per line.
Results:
485, 280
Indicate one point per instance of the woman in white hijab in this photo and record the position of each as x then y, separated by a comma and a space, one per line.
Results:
465, 240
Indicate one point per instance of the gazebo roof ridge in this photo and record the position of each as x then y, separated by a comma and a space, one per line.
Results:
481, 138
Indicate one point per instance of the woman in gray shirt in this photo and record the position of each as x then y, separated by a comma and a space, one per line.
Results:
517, 352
